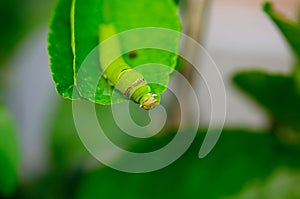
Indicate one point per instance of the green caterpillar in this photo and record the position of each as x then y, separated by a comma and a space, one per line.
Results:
126, 80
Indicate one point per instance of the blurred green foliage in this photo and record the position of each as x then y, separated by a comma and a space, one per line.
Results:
66, 146
239, 157
18, 17
278, 94
282, 184
290, 29
12, 26
9, 154
244, 163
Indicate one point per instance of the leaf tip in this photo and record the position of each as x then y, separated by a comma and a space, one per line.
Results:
236, 78
267, 7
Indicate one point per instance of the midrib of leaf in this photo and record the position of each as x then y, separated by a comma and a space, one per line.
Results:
72, 19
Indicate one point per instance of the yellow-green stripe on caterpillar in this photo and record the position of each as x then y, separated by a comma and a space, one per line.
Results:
126, 80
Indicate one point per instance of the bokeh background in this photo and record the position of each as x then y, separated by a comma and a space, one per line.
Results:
237, 35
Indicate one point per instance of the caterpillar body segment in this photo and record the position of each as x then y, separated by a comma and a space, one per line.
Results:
126, 80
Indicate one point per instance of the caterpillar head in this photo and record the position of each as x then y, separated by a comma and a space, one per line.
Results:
149, 101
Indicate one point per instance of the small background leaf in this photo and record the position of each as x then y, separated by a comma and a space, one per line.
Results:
9, 154
290, 29
278, 94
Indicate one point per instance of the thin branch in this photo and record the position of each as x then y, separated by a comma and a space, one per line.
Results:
193, 14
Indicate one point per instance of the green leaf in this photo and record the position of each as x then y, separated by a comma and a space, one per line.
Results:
239, 157
278, 94
86, 18
59, 48
290, 29
9, 154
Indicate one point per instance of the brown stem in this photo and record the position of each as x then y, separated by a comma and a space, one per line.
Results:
193, 14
